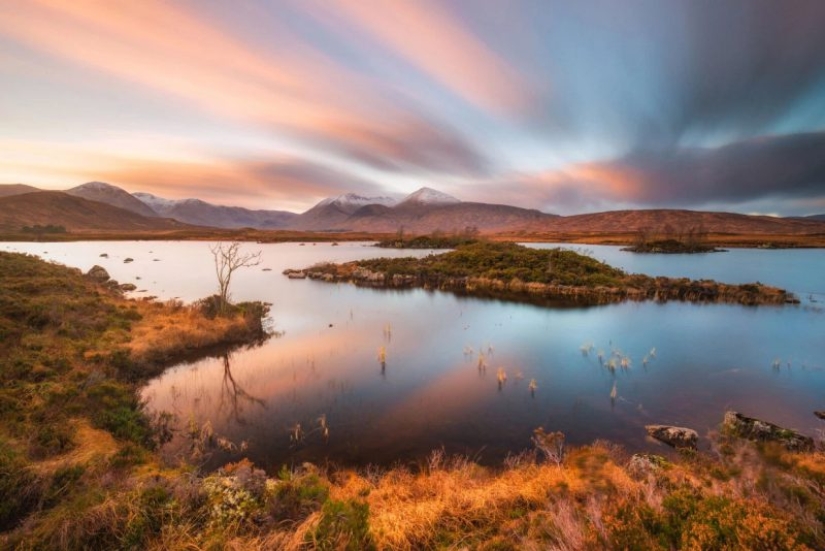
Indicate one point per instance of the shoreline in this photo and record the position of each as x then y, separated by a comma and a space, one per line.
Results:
718, 240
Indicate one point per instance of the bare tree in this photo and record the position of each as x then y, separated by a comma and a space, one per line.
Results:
228, 258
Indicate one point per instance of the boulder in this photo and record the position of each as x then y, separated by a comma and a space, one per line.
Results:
643, 464
678, 437
820, 414
762, 431
98, 273
127, 287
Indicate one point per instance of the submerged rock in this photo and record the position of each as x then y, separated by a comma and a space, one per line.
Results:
678, 437
762, 431
98, 273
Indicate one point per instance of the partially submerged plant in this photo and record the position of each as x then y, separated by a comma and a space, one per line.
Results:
550, 444
501, 376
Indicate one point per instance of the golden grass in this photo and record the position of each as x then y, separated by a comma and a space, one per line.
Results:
165, 329
91, 446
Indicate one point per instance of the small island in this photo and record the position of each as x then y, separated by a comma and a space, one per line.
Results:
672, 246
514, 272
668, 240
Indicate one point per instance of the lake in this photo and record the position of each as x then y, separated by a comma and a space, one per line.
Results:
767, 362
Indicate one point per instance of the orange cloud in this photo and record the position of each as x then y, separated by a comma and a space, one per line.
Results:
441, 46
295, 91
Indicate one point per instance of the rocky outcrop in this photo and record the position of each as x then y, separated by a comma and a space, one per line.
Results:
820, 414
295, 274
678, 437
643, 464
749, 428
98, 274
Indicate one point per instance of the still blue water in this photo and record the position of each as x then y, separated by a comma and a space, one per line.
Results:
432, 394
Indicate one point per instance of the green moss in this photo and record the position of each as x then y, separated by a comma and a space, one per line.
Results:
343, 525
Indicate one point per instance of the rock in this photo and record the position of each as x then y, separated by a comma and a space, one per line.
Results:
295, 274
128, 260
642, 464
762, 431
678, 437
104, 255
127, 287
98, 273
820, 414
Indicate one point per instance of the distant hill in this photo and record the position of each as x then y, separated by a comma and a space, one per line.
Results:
423, 211
418, 218
333, 212
820, 217
680, 220
57, 208
7, 190
111, 195
201, 213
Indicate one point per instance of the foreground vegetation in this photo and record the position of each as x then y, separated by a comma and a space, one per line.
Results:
510, 271
79, 467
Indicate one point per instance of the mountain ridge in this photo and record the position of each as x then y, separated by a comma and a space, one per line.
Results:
111, 195
423, 211
58, 208
201, 213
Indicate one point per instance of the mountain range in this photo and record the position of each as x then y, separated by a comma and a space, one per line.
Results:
101, 206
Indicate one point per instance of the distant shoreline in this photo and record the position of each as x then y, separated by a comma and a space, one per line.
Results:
717, 240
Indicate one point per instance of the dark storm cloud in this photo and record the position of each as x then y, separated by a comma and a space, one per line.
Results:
747, 61
689, 72
783, 166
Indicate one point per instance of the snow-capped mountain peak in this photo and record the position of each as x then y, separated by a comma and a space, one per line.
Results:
158, 204
430, 196
97, 186
353, 201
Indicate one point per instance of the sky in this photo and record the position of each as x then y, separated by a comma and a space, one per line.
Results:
567, 107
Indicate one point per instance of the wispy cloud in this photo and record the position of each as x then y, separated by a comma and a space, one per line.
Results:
771, 167
294, 93
439, 44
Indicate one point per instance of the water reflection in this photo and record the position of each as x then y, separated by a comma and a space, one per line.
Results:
233, 397
394, 375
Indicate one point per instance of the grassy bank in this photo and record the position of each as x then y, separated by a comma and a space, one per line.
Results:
513, 272
73, 354
79, 467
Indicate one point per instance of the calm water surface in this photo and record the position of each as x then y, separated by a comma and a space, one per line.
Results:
432, 394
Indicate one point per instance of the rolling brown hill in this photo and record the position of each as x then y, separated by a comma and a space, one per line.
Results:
7, 190
111, 195
680, 220
73, 213
413, 218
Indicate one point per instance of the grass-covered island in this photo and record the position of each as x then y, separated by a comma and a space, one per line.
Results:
515, 272
672, 246
79, 466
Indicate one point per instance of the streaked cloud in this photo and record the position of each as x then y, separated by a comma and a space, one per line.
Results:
296, 93
756, 170
436, 42
565, 106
